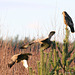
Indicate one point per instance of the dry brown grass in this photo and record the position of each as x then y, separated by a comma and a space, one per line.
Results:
7, 50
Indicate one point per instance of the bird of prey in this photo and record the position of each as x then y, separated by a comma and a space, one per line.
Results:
25, 46
45, 43
22, 57
68, 21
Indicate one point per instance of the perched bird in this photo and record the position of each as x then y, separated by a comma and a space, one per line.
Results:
68, 21
45, 43
19, 58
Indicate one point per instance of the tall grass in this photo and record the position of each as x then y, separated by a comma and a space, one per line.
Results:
56, 60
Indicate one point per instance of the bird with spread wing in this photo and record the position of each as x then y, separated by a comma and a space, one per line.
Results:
45, 43
68, 21
22, 57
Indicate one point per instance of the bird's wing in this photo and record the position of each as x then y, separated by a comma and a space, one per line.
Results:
25, 54
44, 40
14, 57
25, 64
70, 23
40, 40
45, 46
11, 63
66, 15
69, 20
12, 60
25, 46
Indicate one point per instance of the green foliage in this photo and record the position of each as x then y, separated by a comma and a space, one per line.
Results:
46, 61
66, 54
33, 72
41, 61
38, 67
30, 71
59, 47
52, 59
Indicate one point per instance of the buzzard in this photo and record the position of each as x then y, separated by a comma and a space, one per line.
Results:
68, 21
45, 43
22, 57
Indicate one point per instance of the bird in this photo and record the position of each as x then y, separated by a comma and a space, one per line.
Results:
68, 21
25, 46
21, 57
45, 43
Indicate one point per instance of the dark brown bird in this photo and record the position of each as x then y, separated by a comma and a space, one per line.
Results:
45, 43
68, 21
19, 58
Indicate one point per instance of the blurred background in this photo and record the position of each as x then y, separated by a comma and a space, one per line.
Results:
30, 18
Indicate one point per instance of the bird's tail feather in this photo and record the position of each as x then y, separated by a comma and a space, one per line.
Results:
28, 53
11, 64
72, 29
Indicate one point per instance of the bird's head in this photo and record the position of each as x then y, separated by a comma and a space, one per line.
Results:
64, 12
51, 34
